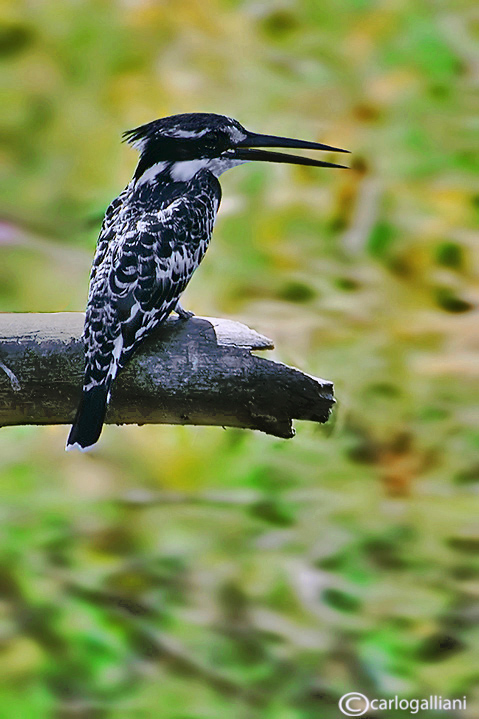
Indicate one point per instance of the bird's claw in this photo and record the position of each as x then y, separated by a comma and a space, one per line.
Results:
183, 314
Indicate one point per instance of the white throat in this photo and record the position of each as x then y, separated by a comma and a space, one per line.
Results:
186, 169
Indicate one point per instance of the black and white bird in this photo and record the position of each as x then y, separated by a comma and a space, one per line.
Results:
154, 236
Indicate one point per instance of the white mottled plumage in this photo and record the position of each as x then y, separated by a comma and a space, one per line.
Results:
147, 251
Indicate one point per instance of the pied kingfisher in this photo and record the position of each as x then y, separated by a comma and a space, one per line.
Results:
153, 238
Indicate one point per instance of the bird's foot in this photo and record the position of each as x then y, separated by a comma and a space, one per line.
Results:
183, 314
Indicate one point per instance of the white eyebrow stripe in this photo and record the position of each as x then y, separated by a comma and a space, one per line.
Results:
187, 133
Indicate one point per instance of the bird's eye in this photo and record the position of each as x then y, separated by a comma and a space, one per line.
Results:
222, 140
214, 142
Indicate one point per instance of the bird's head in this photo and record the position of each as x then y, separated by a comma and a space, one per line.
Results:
195, 141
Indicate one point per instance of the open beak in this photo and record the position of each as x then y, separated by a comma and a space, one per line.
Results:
244, 150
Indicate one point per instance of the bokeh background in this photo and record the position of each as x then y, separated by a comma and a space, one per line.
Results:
198, 573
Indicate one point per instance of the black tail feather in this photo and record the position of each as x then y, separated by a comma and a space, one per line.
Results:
89, 419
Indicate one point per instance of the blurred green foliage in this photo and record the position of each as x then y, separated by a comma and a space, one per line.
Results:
190, 573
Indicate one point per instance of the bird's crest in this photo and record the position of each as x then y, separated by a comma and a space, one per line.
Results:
188, 126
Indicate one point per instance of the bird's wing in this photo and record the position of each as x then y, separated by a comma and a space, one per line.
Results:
111, 229
154, 268
138, 280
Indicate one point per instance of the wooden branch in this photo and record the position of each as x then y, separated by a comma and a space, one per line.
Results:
199, 371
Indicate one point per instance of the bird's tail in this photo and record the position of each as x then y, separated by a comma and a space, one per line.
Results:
89, 419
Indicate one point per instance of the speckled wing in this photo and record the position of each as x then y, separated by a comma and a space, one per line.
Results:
141, 268
162, 257
149, 246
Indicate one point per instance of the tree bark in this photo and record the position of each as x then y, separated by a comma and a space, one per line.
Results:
198, 371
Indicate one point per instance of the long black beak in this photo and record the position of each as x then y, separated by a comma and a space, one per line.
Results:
243, 150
